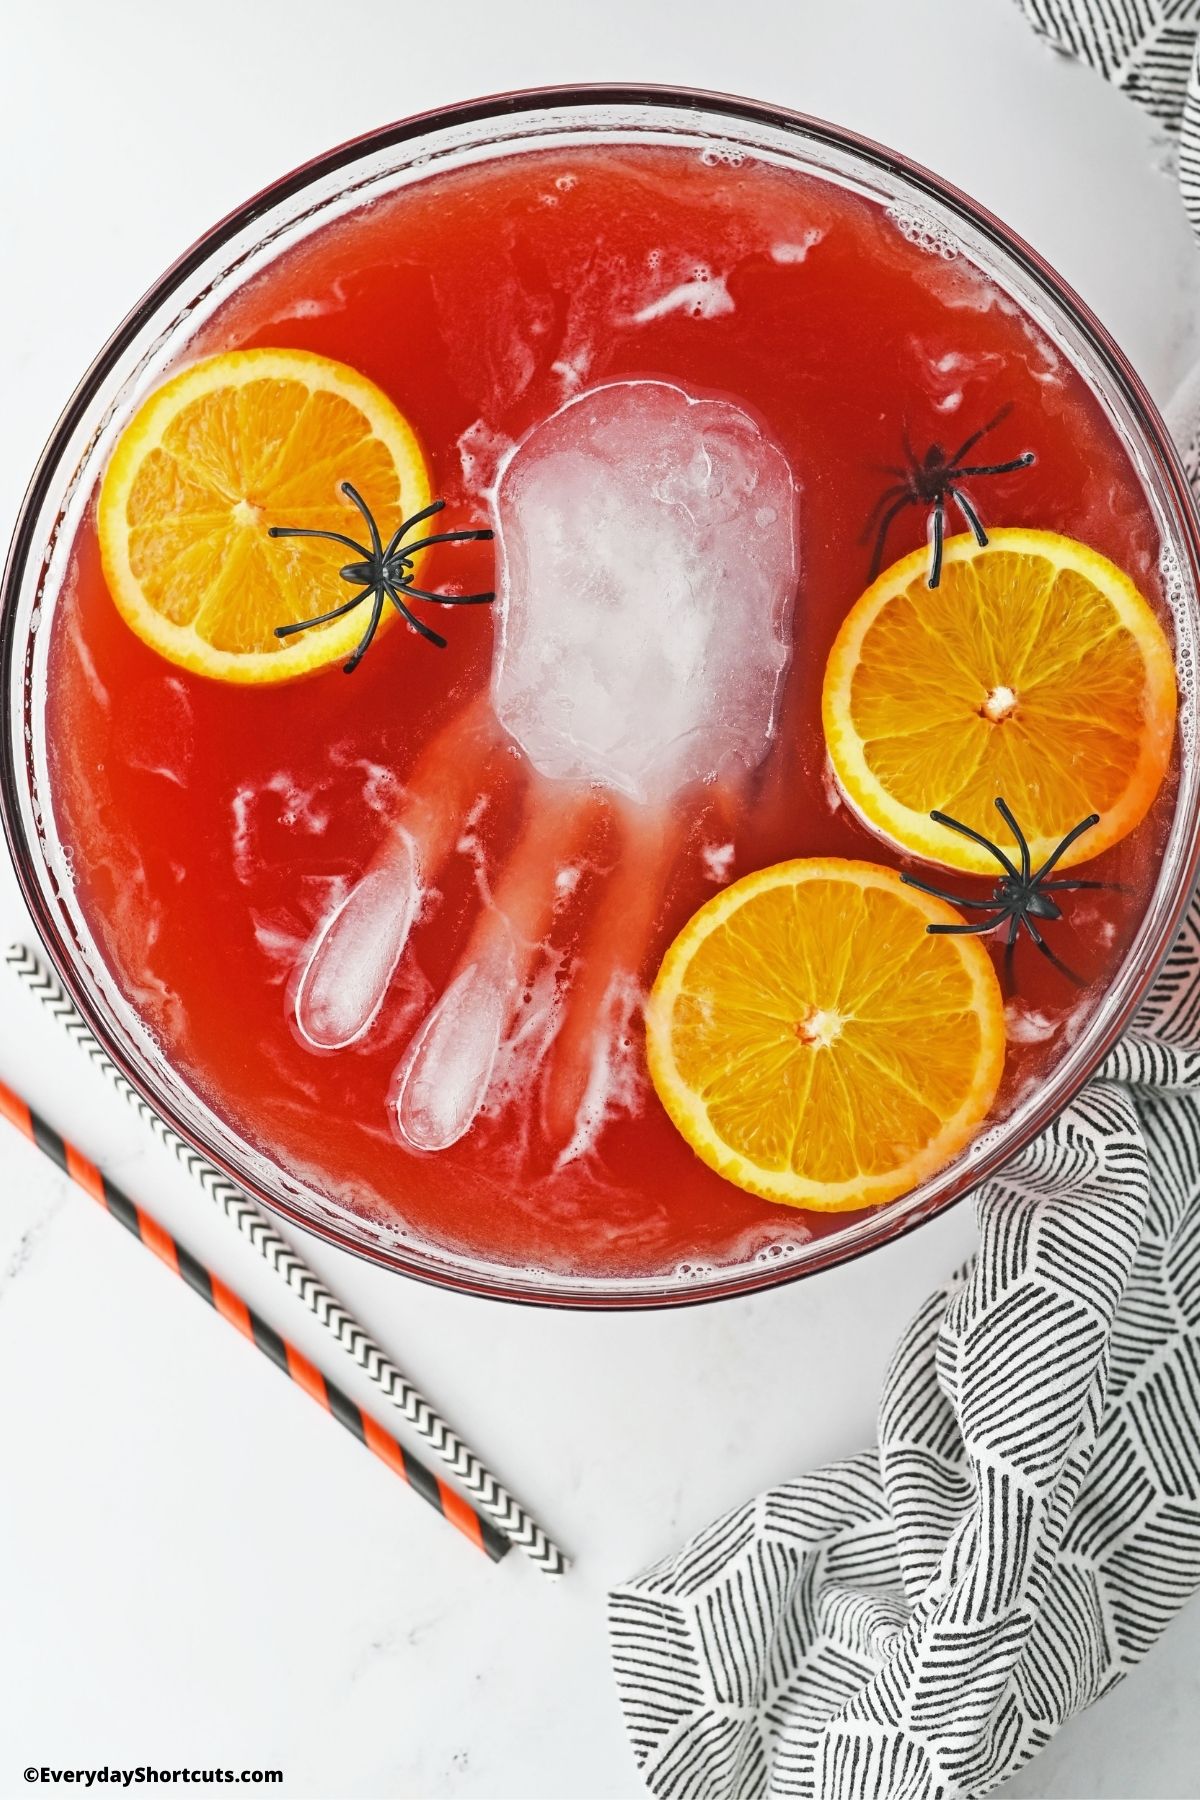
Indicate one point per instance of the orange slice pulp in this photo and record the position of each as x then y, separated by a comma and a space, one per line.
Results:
815, 1045
232, 445
1035, 672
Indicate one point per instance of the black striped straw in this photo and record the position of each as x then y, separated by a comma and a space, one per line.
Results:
481, 1532
492, 1498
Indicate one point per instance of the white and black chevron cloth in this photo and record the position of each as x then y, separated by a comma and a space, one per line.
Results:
1151, 49
916, 1623
1146, 47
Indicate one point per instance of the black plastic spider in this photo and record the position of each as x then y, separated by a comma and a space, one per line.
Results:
931, 481
385, 573
1020, 896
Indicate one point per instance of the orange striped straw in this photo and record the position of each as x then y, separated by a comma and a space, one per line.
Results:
482, 1533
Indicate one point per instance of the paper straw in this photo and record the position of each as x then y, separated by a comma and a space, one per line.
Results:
481, 1532
490, 1495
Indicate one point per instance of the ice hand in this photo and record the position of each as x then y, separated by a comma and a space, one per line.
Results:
647, 565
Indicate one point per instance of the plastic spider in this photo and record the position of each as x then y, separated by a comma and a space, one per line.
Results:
932, 480
1020, 896
384, 573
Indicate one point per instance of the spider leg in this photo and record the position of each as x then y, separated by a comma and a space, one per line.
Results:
976, 435
1062, 967
978, 930
410, 618
1017, 462
1022, 841
881, 537
406, 587
335, 537
899, 487
1077, 831
426, 512
1008, 967
364, 643
939, 532
969, 514
338, 612
352, 493
1113, 887
954, 899
441, 537
941, 818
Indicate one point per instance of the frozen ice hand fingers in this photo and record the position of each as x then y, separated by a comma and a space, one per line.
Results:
443, 1080
647, 563
354, 956
585, 1065
344, 975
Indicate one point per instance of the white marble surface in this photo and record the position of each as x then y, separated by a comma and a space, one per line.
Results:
195, 1566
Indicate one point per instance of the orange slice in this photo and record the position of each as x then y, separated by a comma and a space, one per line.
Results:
1035, 673
815, 1045
231, 446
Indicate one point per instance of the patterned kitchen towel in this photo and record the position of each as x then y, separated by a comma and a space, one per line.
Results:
1146, 47
1151, 50
917, 1622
